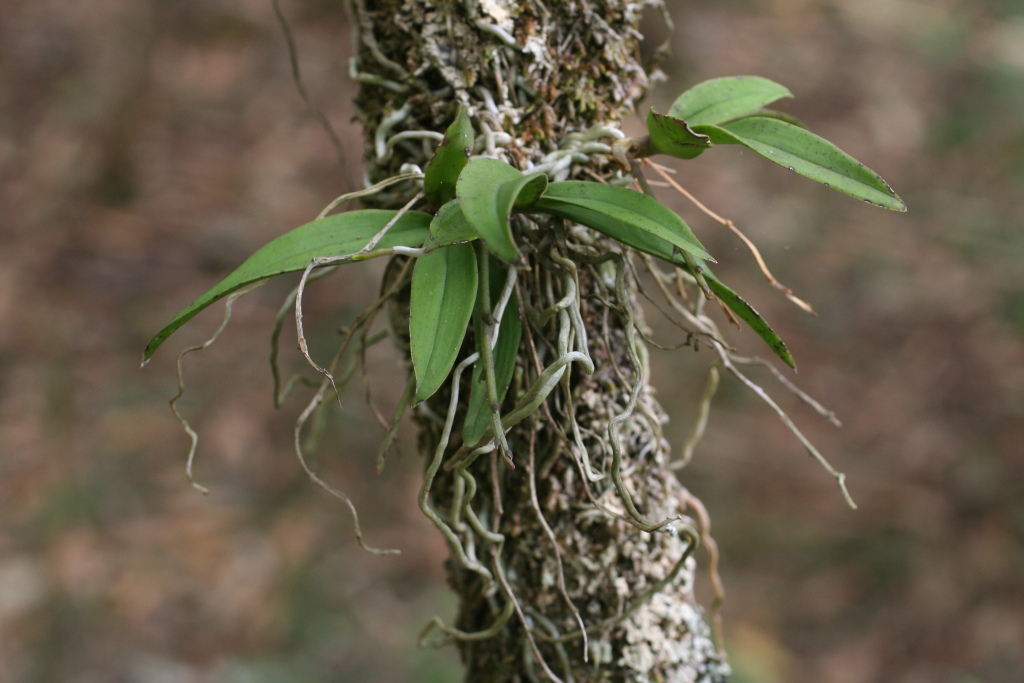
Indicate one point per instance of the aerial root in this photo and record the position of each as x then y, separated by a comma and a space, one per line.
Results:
489, 323
563, 655
797, 391
703, 411
366, 252
364, 318
316, 431
428, 481
727, 359
323, 484
390, 224
531, 473
455, 634
192, 435
729, 224
281, 394
368, 192
639, 380
704, 521
522, 618
838, 476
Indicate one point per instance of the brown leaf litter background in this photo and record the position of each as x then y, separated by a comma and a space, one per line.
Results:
146, 147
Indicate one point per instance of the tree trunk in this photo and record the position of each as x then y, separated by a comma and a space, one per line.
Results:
531, 73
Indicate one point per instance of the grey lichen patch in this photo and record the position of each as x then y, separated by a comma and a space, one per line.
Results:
571, 65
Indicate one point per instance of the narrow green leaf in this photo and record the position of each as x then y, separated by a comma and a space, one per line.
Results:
488, 190
673, 136
337, 235
441, 302
449, 227
478, 415
449, 160
747, 314
725, 99
604, 208
811, 156
655, 246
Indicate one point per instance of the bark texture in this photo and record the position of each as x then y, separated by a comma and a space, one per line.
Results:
539, 76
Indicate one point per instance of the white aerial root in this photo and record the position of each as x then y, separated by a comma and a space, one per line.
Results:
389, 122
661, 170
702, 420
728, 359
369, 191
330, 260
838, 476
192, 435
435, 464
364, 318
522, 618
313, 404
409, 135
612, 429
531, 472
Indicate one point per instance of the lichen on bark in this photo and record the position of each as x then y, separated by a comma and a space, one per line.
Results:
538, 76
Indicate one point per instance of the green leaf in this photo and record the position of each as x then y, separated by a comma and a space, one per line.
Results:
449, 160
619, 210
809, 155
726, 99
337, 235
488, 190
478, 414
449, 227
441, 302
747, 314
673, 136
659, 248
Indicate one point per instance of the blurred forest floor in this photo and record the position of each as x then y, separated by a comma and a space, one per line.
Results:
148, 146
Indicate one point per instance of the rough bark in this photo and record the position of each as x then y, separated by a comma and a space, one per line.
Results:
539, 71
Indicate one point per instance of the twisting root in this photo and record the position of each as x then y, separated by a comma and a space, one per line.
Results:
563, 656
626, 310
364, 253
368, 192
281, 393
728, 358
702, 420
361, 320
390, 224
428, 481
324, 485
838, 476
704, 520
797, 391
455, 634
316, 431
729, 224
522, 618
531, 473
193, 437
489, 322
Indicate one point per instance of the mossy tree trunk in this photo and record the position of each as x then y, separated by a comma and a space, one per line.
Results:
531, 73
